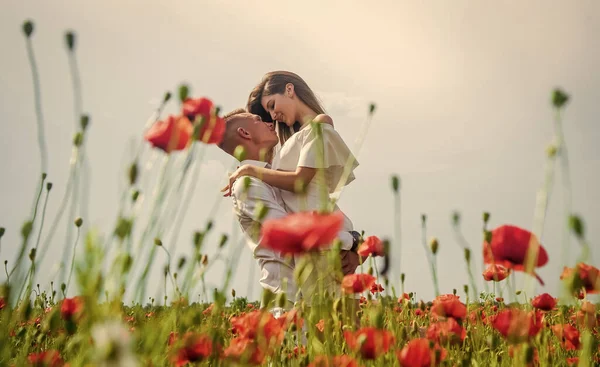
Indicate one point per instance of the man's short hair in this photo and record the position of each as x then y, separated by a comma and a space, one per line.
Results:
230, 124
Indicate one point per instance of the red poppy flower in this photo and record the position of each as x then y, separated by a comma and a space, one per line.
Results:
244, 350
446, 331
495, 272
171, 134
371, 246
369, 341
203, 111
421, 353
568, 336
301, 232
320, 325
336, 361
357, 283
49, 358
376, 288
195, 348
517, 325
544, 302
448, 305
587, 277
258, 325
586, 316
509, 247
71, 307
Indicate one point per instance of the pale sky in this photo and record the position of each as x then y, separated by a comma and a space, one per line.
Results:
463, 113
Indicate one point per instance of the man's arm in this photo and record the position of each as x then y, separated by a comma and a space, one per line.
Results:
251, 195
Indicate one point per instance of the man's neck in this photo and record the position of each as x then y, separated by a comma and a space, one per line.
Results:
261, 154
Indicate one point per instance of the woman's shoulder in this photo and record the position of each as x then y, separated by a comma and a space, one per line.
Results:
324, 119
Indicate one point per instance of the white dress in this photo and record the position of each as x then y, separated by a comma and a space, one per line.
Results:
317, 146
306, 148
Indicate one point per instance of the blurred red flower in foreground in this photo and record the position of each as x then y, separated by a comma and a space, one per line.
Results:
517, 325
171, 134
71, 307
446, 331
301, 232
195, 348
544, 302
2, 303
495, 272
336, 361
257, 333
372, 246
357, 283
509, 247
376, 288
49, 358
448, 305
587, 277
212, 127
568, 336
421, 353
369, 341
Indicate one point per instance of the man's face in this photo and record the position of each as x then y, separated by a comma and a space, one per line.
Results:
262, 133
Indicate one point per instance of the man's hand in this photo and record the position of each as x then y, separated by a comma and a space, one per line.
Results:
350, 261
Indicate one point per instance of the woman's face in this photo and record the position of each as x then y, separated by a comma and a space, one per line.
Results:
281, 107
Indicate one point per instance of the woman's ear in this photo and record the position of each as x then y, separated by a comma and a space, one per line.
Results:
289, 90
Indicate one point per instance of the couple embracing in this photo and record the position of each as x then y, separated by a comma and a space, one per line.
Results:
292, 161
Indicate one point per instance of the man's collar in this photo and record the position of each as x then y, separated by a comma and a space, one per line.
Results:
252, 162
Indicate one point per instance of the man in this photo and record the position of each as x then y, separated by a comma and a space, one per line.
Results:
257, 139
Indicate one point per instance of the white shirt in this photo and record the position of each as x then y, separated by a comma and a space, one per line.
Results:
274, 266
317, 146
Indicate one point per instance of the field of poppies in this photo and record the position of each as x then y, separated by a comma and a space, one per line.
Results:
41, 324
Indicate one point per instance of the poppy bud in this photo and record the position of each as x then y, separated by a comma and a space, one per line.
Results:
70, 38
63, 287
559, 98
32, 254
26, 229
518, 293
166, 270
157, 242
434, 245
402, 277
49, 186
233, 292
204, 260
167, 97
198, 237
135, 195
78, 139
423, 219
551, 150
184, 91
261, 211
267, 298
175, 275
576, 225
454, 291
395, 183
468, 255
84, 121
181, 263
78, 222
44, 175
486, 217
370, 270
209, 226
281, 300
2, 230
456, 218
28, 28
133, 173
372, 107
239, 153
466, 288
223, 240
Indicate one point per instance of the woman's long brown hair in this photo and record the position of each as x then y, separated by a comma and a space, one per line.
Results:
274, 83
